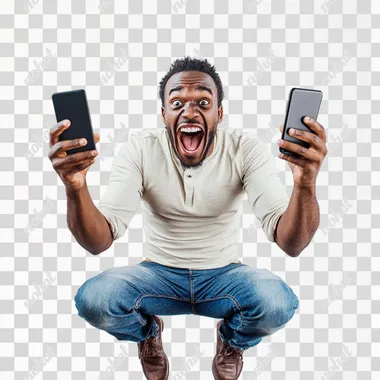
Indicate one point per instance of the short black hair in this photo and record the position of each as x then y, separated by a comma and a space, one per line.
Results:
192, 64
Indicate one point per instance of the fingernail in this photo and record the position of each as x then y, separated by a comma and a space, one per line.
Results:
65, 123
82, 141
279, 142
94, 153
291, 131
308, 119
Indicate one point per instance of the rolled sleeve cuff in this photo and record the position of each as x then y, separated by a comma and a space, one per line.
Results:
270, 225
117, 226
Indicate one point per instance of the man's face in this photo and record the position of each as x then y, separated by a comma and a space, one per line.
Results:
191, 101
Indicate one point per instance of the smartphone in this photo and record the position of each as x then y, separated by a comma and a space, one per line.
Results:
302, 102
72, 105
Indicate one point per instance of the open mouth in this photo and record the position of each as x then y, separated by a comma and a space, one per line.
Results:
190, 138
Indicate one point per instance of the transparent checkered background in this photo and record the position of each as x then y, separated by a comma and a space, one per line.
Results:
331, 45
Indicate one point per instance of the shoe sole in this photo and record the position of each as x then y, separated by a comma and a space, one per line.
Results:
167, 361
218, 378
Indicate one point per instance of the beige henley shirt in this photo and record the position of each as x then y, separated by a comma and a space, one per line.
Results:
190, 216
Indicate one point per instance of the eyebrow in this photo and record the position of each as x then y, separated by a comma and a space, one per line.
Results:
200, 87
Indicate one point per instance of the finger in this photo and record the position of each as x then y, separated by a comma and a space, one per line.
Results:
96, 138
82, 165
74, 159
313, 139
73, 168
304, 153
281, 128
77, 158
299, 161
57, 130
60, 148
316, 127
298, 149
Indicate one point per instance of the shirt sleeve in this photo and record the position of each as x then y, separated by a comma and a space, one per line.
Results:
125, 188
261, 181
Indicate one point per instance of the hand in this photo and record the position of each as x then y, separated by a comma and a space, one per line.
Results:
71, 168
306, 167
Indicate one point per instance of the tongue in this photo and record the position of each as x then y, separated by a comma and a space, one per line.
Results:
191, 142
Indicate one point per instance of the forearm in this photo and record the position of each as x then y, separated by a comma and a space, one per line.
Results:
86, 222
299, 222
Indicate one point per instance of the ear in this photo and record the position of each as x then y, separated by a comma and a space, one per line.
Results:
220, 113
163, 114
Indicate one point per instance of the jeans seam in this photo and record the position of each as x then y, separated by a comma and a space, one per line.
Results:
241, 321
138, 301
142, 322
192, 298
225, 296
158, 295
233, 299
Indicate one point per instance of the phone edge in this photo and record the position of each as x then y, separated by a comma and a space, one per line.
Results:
287, 112
54, 96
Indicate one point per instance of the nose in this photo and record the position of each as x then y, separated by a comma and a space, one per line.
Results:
190, 110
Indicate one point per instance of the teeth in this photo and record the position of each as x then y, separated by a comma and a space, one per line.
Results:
190, 129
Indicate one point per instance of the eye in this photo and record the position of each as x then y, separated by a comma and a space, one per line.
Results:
204, 100
175, 105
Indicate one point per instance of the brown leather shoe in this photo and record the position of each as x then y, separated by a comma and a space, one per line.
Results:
228, 360
153, 359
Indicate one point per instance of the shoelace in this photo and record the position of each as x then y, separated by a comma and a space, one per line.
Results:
229, 350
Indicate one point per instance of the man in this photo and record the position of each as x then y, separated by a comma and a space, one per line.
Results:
191, 177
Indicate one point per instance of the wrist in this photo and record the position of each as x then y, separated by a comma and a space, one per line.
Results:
310, 189
73, 192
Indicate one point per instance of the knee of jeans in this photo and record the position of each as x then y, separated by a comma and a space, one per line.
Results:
87, 300
276, 307
93, 300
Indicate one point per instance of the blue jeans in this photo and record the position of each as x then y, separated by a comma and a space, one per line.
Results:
253, 303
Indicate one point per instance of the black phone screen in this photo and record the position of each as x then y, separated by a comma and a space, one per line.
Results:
72, 105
